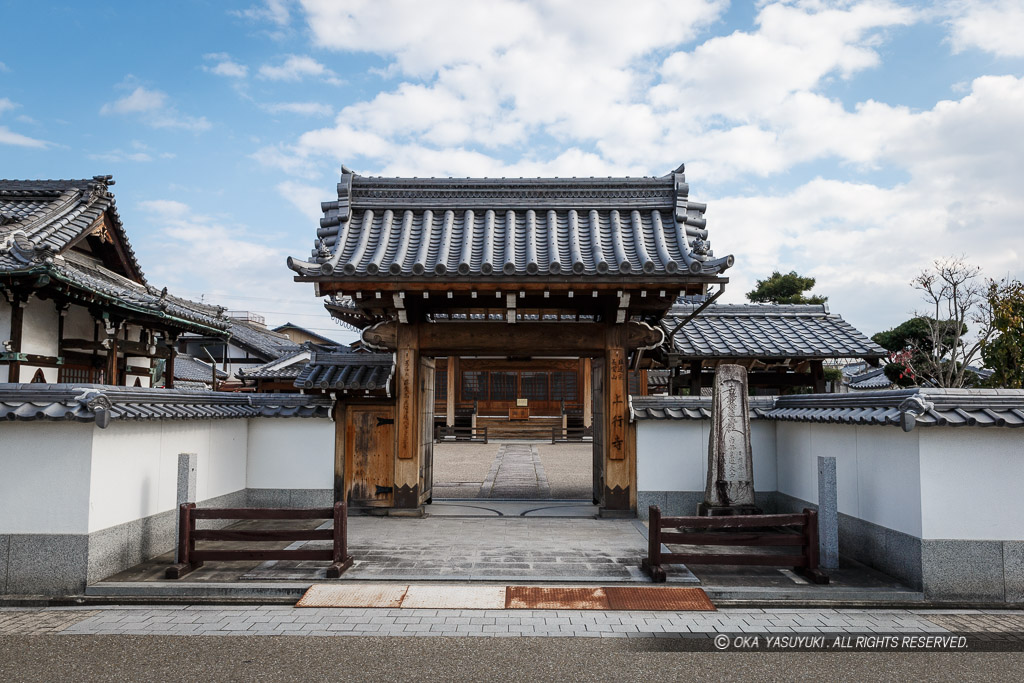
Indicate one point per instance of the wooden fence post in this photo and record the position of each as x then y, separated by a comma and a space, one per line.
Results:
653, 561
340, 560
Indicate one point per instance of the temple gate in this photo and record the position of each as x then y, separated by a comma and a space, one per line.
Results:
509, 269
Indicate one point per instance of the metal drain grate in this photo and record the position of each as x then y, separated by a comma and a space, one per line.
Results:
535, 597
658, 599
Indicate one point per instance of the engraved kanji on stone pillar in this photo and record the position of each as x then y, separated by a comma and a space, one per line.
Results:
730, 485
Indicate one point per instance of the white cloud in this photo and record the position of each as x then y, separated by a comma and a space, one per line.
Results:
305, 198
154, 108
118, 155
302, 108
996, 26
4, 67
274, 11
297, 68
225, 66
9, 137
537, 88
228, 264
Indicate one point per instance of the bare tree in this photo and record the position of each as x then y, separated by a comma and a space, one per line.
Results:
956, 295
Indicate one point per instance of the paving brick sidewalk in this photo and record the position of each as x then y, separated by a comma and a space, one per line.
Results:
193, 620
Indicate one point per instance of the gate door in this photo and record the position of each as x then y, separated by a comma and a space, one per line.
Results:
370, 456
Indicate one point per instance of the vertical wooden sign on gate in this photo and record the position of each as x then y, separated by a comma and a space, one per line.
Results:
407, 399
617, 407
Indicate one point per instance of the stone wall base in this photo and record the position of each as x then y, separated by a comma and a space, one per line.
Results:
63, 564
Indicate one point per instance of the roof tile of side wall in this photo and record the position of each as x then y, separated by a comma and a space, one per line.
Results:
490, 227
101, 403
905, 407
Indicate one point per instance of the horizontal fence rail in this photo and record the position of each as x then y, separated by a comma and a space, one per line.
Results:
191, 558
570, 434
748, 531
477, 434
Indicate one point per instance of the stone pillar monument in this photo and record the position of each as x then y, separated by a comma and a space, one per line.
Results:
730, 487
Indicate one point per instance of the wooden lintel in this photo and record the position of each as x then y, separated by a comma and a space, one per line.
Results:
759, 379
530, 338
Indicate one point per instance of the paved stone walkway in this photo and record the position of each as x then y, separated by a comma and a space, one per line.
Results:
499, 549
516, 473
193, 620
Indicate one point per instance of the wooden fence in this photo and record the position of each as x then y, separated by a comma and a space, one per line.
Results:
190, 558
477, 434
752, 531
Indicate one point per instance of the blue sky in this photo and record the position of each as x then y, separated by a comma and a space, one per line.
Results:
852, 141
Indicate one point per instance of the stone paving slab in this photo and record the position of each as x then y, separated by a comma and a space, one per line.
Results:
500, 549
281, 620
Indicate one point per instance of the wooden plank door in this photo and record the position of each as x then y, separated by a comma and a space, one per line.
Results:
370, 456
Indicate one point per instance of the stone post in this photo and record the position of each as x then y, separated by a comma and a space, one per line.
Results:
186, 491
730, 484
828, 514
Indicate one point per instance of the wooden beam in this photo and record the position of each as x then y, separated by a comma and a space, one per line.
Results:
759, 379
529, 338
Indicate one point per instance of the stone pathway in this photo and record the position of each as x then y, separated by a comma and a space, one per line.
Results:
498, 549
516, 473
213, 620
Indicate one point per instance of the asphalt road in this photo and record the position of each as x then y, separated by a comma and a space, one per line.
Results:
168, 658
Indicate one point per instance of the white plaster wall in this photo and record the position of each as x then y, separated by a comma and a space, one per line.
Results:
971, 483
78, 323
291, 454
877, 470
135, 466
44, 488
39, 331
29, 371
673, 455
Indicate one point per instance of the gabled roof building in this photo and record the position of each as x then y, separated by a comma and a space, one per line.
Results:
74, 303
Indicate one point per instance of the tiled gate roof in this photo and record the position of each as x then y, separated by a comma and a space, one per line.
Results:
494, 227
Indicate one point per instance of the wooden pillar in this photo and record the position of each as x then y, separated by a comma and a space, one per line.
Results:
169, 367
407, 465
112, 358
618, 485
17, 327
696, 377
453, 376
588, 393
818, 375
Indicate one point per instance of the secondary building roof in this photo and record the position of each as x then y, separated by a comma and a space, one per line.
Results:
586, 229
780, 331
347, 372
260, 341
189, 369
